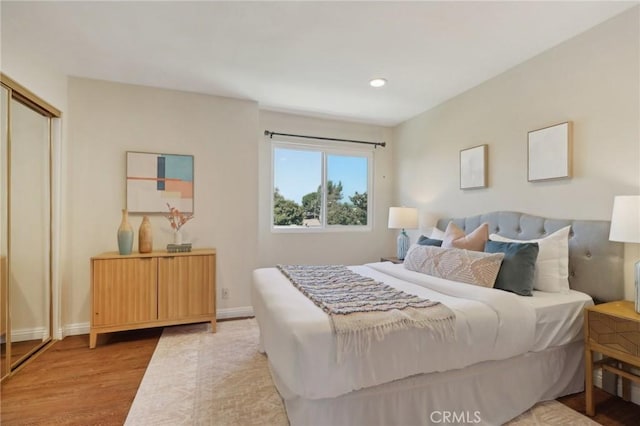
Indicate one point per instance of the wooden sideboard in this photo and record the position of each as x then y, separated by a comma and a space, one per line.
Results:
152, 290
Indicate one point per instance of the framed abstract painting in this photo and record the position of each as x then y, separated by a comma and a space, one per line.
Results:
155, 180
473, 167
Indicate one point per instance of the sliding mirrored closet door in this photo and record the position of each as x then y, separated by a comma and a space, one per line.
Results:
4, 241
25, 231
29, 236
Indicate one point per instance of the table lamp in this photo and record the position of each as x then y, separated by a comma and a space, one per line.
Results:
625, 227
403, 218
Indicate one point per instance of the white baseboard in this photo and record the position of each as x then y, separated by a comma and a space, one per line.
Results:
83, 327
75, 329
243, 311
635, 389
26, 334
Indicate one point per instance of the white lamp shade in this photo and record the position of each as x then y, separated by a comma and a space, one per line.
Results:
625, 219
403, 218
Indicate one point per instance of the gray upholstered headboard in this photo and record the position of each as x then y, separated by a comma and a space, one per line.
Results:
595, 263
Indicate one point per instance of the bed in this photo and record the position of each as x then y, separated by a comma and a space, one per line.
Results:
509, 352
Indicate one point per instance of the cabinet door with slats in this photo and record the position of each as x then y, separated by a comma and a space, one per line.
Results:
186, 286
124, 291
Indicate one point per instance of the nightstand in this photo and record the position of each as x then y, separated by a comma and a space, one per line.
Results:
612, 329
391, 259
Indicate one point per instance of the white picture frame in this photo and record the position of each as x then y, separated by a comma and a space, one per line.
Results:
549, 152
473, 167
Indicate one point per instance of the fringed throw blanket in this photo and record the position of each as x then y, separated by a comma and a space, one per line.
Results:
361, 307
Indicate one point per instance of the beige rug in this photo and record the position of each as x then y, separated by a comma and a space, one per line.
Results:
196, 377
200, 378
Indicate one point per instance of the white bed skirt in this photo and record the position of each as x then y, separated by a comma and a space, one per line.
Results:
488, 393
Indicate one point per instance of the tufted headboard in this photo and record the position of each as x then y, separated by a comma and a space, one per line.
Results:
595, 263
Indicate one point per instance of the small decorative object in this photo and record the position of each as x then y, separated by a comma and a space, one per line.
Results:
125, 234
473, 167
549, 152
177, 220
625, 227
154, 177
403, 218
179, 248
145, 237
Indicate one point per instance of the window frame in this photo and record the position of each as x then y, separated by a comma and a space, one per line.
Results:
325, 150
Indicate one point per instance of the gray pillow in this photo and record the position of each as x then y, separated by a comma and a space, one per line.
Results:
518, 266
425, 241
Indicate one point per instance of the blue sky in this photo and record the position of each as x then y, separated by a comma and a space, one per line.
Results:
298, 172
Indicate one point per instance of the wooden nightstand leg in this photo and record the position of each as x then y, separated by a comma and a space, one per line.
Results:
93, 338
213, 325
588, 382
626, 384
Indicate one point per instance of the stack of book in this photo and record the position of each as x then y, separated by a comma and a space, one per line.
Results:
179, 248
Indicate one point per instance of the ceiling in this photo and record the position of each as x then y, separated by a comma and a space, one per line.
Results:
311, 58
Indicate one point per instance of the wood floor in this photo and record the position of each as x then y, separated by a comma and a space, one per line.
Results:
70, 384
610, 410
20, 349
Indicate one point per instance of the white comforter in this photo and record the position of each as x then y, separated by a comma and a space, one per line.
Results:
297, 336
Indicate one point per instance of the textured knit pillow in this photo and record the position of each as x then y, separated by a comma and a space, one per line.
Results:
517, 271
467, 266
455, 237
552, 264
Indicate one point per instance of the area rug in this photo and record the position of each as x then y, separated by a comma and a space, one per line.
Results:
196, 377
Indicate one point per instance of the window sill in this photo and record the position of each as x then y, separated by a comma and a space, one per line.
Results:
309, 230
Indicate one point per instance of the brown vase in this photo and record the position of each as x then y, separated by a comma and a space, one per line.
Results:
145, 237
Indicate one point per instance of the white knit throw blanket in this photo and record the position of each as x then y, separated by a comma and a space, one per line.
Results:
361, 308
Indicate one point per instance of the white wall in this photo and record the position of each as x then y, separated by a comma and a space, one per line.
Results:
108, 119
36, 76
592, 80
327, 247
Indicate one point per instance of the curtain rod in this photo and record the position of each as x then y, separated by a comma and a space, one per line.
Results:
375, 144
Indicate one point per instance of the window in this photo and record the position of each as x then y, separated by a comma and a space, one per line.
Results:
320, 188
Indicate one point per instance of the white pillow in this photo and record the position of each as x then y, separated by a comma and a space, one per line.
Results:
436, 234
552, 265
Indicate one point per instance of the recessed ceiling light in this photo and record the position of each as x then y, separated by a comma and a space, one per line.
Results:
378, 82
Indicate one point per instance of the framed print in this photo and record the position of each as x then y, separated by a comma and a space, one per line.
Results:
549, 152
473, 167
155, 180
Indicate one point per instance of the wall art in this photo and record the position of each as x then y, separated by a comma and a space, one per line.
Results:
153, 180
549, 152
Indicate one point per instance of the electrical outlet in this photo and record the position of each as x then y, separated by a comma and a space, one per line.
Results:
225, 293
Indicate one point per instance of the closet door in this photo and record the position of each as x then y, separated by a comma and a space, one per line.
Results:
4, 242
30, 230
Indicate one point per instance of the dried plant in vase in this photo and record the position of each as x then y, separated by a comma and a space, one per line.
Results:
177, 219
